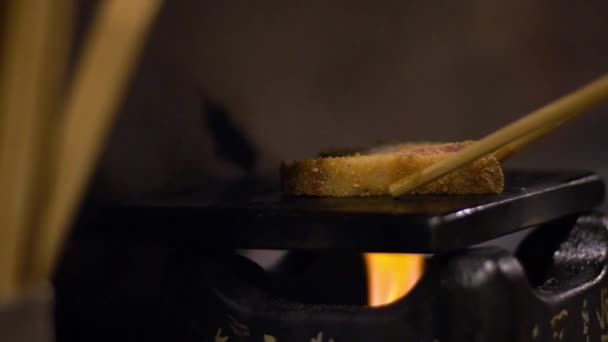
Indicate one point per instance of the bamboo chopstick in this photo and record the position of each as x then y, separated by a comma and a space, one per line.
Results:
584, 99
111, 50
59, 34
30, 71
511, 148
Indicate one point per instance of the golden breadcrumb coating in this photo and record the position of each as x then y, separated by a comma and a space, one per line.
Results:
371, 172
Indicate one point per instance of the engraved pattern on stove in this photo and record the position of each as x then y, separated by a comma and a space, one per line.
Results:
558, 334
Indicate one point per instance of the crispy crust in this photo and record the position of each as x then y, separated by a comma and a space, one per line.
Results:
371, 174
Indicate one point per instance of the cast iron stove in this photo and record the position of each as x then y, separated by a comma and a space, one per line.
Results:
552, 288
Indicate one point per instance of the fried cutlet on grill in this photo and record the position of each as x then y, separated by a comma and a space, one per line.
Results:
370, 172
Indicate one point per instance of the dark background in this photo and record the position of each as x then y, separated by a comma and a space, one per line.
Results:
301, 76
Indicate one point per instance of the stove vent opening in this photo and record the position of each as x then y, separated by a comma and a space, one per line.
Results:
391, 276
565, 254
340, 277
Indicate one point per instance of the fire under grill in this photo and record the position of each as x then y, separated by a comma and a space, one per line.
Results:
170, 269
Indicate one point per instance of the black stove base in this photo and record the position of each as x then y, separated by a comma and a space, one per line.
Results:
554, 288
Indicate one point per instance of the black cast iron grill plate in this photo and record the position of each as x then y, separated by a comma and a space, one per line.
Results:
259, 217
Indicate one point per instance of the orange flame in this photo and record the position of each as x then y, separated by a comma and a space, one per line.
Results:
391, 276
